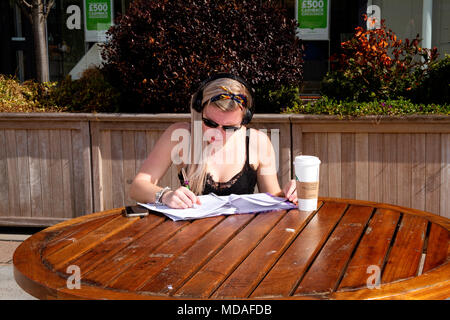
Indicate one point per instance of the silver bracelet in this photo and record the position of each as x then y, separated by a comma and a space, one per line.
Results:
159, 195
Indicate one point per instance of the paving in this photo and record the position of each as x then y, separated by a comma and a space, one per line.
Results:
9, 289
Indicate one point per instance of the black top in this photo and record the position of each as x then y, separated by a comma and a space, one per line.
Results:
242, 183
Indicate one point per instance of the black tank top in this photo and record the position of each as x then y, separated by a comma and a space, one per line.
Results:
243, 182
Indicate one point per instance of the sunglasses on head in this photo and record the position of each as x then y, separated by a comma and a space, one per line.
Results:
211, 124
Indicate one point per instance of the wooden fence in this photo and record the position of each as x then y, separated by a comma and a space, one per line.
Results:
55, 167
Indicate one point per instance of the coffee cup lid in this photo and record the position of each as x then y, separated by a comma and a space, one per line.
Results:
306, 160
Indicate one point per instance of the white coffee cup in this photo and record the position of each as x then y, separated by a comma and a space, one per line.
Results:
307, 178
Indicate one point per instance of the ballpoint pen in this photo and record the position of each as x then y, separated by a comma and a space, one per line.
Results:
185, 179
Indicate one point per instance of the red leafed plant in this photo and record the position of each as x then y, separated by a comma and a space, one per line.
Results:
375, 64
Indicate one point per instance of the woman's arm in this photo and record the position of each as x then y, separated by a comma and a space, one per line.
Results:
144, 185
267, 179
267, 172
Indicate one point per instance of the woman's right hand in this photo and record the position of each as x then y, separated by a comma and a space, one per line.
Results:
181, 198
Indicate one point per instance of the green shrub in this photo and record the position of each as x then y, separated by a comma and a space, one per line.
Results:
396, 107
90, 93
29, 96
160, 50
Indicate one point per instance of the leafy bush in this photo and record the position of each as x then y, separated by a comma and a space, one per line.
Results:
29, 96
161, 49
375, 65
396, 107
435, 87
90, 93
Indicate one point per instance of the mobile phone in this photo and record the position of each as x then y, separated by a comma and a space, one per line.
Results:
135, 211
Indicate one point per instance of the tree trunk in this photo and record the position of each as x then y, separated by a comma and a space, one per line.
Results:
40, 41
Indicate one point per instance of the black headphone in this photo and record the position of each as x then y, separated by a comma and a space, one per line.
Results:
198, 95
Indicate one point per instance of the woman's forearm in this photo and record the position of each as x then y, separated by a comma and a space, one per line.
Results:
144, 191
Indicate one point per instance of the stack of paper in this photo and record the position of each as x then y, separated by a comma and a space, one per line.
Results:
213, 205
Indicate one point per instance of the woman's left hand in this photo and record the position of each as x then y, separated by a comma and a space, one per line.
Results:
290, 191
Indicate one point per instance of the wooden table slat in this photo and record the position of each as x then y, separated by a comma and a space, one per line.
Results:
437, 247
204, 282
283, 278
250, 272
151, 264
172, 277
58, 240
406, 252
372, 249
114, 265
79, 246
113, 244
328, 267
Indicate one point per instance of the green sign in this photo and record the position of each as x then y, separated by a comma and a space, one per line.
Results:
312, 14
98, 15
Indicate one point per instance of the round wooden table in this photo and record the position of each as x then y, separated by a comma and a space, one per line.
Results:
346, 249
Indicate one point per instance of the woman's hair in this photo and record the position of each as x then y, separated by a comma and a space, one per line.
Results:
197, 168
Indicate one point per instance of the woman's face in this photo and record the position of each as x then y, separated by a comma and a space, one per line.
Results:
222, 118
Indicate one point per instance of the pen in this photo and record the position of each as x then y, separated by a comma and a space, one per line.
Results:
186, 181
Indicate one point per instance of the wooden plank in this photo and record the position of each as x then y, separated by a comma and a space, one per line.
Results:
125, 258
56, 174
82, 171
129, 164
445, 176
23, 173
374, 127
97, 167
35, 174
309, 144
45, 168
68, 236
376, 167
433, 173
389, 168
404, 168
348, 166
362, 166
4, 196
405, 255
209, 278
108, 248
67, 177
106, 173
334, 165
372, 249
327, 269
283, 278
251, 271
117, 179
437, 247
140, 143
151, 264
79, 246
297, 142
418, 171
322, 153
184, 266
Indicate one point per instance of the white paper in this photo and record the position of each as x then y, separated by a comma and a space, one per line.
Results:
213, 205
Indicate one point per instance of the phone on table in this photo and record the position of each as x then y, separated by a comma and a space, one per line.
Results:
135, 211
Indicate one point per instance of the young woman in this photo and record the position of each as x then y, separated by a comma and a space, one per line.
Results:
219, 153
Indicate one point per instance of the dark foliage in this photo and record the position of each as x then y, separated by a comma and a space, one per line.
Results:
435, 87
160, 50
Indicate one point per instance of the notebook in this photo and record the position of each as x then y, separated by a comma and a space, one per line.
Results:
214, 205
